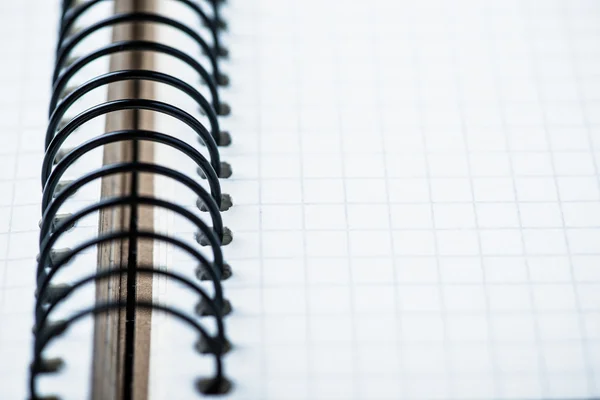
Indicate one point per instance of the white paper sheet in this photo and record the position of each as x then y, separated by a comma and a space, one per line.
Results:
415, 203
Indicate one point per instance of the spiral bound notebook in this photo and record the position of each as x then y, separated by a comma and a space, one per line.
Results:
328, 200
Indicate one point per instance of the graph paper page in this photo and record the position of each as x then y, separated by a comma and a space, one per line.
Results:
416, 203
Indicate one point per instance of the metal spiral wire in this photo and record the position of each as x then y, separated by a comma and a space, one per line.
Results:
56, 192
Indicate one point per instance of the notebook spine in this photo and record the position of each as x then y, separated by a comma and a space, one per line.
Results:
56, 191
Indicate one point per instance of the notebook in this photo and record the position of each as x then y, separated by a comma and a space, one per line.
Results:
405, 196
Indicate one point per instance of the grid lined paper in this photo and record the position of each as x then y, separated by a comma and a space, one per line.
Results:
27, 32
415, 202
19, 186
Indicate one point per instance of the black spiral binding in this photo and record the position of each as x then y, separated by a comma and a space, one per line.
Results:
55, 193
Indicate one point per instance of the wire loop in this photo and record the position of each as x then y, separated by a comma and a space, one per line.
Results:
57, 192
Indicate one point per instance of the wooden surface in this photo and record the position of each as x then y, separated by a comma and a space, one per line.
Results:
109, 332
146, 220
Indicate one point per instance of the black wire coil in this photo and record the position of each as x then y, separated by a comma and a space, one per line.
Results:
58, 159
